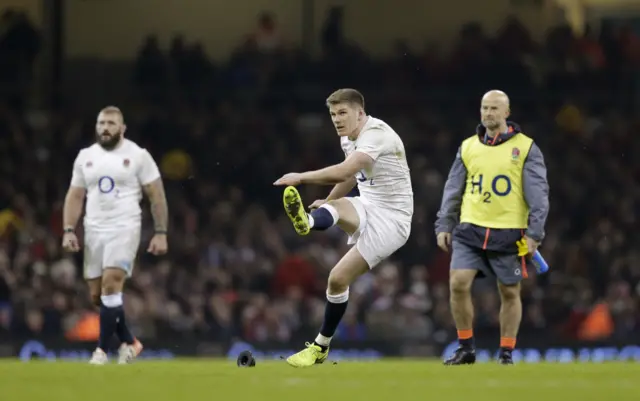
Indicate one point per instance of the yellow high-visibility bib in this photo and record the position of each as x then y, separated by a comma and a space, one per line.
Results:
493, 195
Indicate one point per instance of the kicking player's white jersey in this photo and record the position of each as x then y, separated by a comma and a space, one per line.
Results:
113, 180
388, 183
385, 204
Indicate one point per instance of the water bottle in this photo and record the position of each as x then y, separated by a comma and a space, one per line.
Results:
541, 264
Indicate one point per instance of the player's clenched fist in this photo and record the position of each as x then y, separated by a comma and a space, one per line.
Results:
444, 241
70, 242
317, 203
158, 245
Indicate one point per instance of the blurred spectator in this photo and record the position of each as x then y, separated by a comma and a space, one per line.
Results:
333, 40
20, 44
267, 36
150, 73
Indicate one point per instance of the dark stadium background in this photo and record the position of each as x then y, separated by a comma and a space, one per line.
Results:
226, 104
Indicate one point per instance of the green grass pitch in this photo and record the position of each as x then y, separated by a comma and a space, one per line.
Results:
395, 380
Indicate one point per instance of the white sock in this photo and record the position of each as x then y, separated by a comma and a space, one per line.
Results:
112, 301
311, 221
322, 340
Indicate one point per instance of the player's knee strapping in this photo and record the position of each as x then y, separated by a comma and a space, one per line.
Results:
324, 217
334, 310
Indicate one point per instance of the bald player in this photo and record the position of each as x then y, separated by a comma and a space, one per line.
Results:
496, 195
112, 174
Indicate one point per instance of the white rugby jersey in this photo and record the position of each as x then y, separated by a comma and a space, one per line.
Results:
113, 180
388, 182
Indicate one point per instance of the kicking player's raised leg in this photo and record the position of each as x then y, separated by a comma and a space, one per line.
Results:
339, 212
349, 268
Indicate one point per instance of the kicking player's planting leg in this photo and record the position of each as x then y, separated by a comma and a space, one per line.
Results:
350, 267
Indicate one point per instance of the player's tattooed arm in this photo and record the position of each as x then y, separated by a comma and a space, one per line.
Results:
159, 208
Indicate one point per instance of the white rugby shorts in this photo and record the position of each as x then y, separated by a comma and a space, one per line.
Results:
381, 231
116, 249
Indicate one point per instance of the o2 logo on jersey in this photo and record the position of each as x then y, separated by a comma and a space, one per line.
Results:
106, 184
362, 177
500, 186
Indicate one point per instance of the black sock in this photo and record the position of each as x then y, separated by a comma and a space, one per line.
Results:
333, 313
108, 324
322, 219
467, 343
505, 350
122, 330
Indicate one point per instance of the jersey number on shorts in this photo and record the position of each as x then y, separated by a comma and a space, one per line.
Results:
500, 185
362, 177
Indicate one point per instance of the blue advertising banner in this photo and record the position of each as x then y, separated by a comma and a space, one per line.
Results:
35, 349
66, 351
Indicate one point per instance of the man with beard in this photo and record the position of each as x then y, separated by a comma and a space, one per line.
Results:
494, 207
113, 173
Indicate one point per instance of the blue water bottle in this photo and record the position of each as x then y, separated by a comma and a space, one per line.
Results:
541, 264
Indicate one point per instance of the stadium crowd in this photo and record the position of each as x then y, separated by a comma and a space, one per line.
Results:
222, 133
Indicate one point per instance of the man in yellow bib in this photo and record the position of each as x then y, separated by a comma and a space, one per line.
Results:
495, 196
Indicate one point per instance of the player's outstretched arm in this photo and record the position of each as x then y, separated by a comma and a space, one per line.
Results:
536, 192
332, 175
159, 209
338, 173
449, 212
